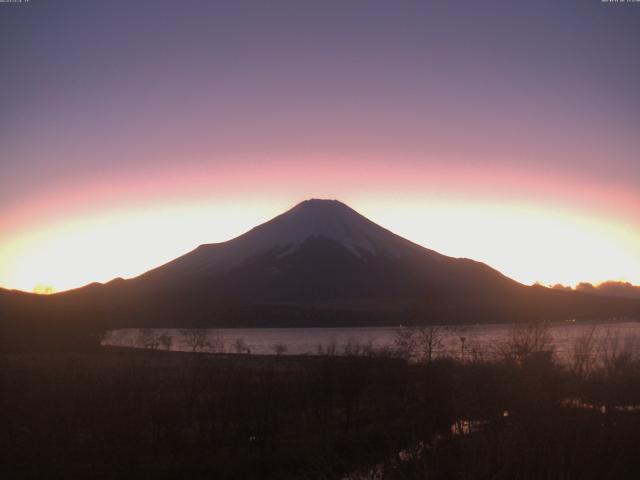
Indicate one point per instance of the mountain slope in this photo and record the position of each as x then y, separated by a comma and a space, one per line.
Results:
311, 219
320, 249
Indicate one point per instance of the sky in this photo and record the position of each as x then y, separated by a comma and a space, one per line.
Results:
503, 131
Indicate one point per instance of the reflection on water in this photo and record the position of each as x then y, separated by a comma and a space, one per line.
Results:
473, 340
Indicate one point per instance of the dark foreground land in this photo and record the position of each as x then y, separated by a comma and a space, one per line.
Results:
150, 414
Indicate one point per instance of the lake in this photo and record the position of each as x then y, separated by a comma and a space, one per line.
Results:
468, 341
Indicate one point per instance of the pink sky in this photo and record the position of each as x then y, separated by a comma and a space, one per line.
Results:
130, 135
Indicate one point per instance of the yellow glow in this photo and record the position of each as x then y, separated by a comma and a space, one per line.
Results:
118, 244
529, 244
526, 243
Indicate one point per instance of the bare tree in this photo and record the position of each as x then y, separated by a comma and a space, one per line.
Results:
404, 342
240, 346
329, 350
420, 343
460, 334
196, 339
149, 338
616, 351
279, 348
429, 340
583, 354
216, 344
527, 342
166, 341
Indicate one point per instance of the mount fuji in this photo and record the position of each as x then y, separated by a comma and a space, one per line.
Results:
319, 264
320, 250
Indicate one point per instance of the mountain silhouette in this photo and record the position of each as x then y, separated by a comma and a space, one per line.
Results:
321, 251
320, 263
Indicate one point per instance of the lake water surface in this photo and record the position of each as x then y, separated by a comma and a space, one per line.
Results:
456, 341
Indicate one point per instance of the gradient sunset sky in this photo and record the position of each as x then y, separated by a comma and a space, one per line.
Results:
504, 131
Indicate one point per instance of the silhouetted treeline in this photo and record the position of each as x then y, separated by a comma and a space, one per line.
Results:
117, 413
610, 288
98, 307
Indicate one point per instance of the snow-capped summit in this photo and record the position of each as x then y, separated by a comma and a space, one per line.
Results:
316, 239
310, 220
328, 219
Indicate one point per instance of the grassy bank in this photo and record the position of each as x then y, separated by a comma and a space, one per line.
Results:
113, 413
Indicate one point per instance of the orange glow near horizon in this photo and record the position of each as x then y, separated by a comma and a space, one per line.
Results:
527, 229
130, 135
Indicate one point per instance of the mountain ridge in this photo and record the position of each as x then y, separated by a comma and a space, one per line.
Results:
311, 218
320, 263
317, 227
